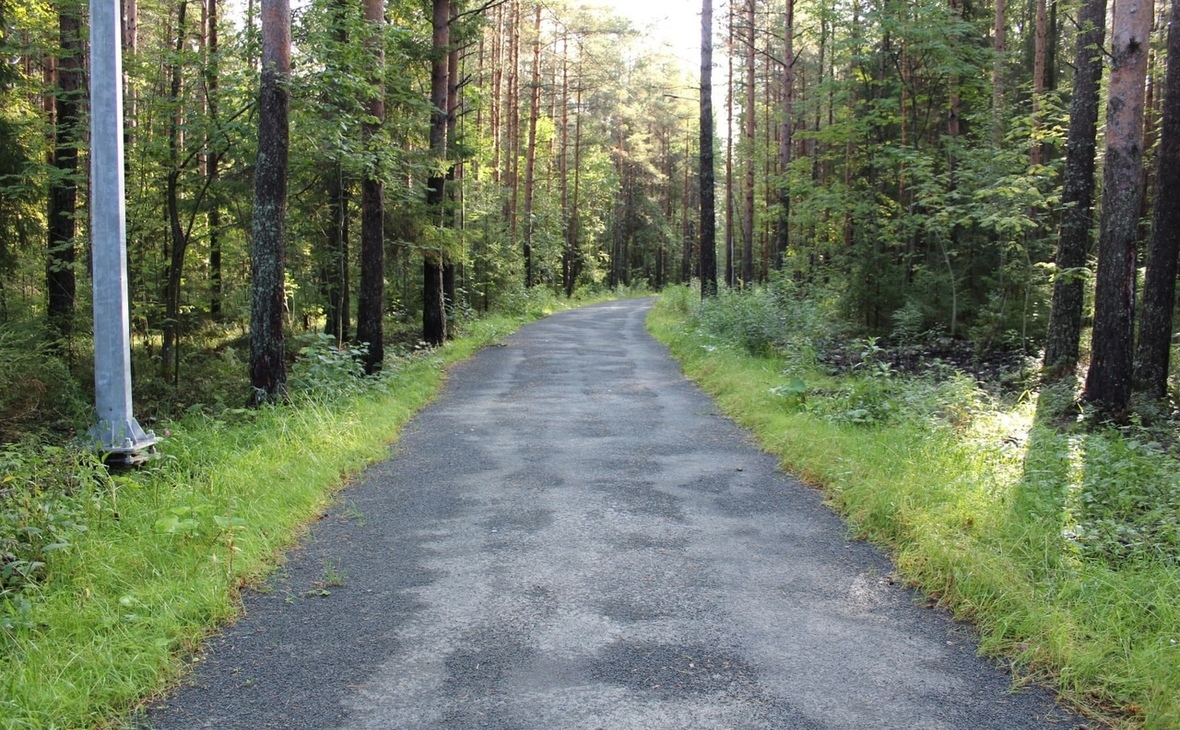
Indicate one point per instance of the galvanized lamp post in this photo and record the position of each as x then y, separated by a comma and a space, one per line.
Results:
117, 433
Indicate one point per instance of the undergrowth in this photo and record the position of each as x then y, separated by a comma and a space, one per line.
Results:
1061, 544
108, 582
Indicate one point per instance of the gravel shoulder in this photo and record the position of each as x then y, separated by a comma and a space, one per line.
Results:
573, 537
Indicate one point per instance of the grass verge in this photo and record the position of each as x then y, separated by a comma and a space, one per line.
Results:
124, 575
1040, 537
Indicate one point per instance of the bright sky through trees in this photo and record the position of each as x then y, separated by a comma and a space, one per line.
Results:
671, 24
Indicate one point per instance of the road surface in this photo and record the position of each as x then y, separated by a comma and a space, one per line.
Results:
573, 537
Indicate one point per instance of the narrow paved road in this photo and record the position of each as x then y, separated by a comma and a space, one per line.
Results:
572, 537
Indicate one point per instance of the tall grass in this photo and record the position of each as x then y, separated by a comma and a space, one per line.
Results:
1059, 544
151, 561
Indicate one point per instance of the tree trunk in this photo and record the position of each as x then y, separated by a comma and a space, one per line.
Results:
708, 252
212, 168
1159, 287
748, 138
1108, 383
334, 269
730, 278
130, 29
530, 164
268, 373
1036, 153
1000, 48
1077, 195
63, 190
434, 316
370, 310
786, 134
177, 239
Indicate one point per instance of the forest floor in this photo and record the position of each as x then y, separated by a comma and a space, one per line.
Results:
573, 536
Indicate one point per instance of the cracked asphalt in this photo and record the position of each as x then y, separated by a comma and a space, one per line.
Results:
572, 536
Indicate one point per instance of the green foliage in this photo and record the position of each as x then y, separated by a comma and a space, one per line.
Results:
325, 368
1127, 507
37, 390
48, 497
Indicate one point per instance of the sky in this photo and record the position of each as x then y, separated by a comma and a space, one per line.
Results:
674, 24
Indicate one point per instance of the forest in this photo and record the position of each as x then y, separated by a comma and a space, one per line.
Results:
332, 190
934, 162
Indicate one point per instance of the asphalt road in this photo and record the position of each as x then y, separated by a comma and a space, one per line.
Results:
573, 537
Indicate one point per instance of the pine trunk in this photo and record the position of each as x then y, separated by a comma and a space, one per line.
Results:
1159, 287
786, 132
530, 165
434, 318
60, 278
268, 374
371, 296
708, 251
1108, 383
1077, 195
748, 139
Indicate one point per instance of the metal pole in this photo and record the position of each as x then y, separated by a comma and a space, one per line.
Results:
117, 433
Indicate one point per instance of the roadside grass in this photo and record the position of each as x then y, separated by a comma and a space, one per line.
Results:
111, 581
1060, 544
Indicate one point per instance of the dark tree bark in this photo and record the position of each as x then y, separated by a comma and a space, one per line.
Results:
786, 138
530, 164
1000, 47
434, 316
177, 237
730, 272
1159, 287
1036, 153
708, 252
748, 139
268, 373
1077, 195
1108, 383
334, 270
370, 309
60, 278
212, 168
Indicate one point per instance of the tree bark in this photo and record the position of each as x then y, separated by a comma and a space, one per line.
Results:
1159, 287
1036, 153
748, 139
1000, 49
786, 138
1108, 383
268, 373
371, 297
1077, 195
60, 278
708, 252
434, 316
334, 269
177, 238
730, 273
530, 164
212, 167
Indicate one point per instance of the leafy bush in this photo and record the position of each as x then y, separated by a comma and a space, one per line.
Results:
779, 317
1127, 506
36, 388
48, 495
325, 368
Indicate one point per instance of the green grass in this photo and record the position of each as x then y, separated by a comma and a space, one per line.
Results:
979, 502
150, 562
